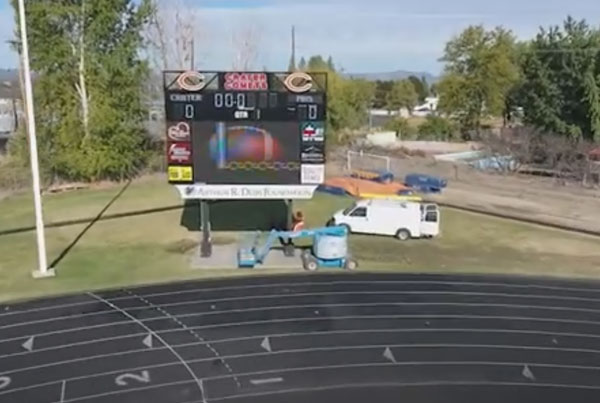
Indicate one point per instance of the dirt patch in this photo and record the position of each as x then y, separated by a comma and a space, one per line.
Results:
520, 196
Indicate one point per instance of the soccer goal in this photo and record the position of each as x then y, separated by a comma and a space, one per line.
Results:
360, 161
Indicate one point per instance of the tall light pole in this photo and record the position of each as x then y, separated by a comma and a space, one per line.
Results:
43, 270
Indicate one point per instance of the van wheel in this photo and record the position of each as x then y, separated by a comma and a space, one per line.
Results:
347, 228
403, 234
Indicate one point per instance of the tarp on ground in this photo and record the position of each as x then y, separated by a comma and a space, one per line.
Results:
359, 187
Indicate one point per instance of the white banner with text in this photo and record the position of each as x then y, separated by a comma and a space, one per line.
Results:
233, 192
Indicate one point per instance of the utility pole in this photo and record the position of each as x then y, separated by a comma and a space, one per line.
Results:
292, 65
193, 50
294, 45
43, 270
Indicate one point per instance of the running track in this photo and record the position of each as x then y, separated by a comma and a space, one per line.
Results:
319, 338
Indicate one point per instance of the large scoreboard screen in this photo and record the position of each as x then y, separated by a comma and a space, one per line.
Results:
245, 128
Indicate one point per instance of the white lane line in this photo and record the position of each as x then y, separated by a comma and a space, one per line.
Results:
360, 385
287, 296
56, 318
380, 304
330, 318
319, 284
202, 302
315, 306
76, 344
368, 283
193, 333
317, 334
63, 390
266, 381
46, 308
72, 329
391, 292
329, 349
158, 337
203, 391
518, 366
375, 304
131, 390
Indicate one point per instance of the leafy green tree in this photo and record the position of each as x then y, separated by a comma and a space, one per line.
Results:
560, 91
437, 128
330, 64
402, 128
421, 87
382, 89
480, 70
89, 78
317, 63
402, 95
348, 100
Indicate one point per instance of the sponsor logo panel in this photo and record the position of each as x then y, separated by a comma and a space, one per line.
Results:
179, 153
179, 131
180, 174
312, 174
312, 132
313, 153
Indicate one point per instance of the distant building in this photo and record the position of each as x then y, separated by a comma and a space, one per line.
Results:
10, 110
379, 117
429, 107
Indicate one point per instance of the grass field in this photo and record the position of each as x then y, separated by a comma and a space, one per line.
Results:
154, 247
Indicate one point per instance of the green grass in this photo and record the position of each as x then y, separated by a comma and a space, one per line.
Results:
147, 193
155, 248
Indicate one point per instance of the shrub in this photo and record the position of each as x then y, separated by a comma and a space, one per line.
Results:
403, 129
437, 128
14, 175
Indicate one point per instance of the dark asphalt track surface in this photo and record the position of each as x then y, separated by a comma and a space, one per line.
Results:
319, 338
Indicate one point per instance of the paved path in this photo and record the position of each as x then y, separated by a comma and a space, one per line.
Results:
320, 338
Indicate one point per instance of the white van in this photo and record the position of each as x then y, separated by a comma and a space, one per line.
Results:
401, 219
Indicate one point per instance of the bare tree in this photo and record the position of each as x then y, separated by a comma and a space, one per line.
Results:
245, 41
78, 49
172, 35
508, 150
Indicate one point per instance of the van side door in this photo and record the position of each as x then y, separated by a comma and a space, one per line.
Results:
430, 220
358, 220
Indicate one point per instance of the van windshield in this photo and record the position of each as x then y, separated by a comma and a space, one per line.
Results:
349, 209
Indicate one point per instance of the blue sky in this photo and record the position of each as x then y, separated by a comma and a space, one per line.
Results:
361, 35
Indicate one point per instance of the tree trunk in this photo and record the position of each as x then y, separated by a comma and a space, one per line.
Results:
85, 107
82, 87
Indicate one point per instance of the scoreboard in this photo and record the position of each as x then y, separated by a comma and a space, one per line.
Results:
245, 134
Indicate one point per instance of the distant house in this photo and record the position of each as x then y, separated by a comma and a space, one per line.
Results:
428, 108
10, 109
379, 117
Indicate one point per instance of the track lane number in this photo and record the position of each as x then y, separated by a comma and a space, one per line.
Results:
4, 382
130, 377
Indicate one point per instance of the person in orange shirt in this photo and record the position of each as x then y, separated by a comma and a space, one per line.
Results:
298, 221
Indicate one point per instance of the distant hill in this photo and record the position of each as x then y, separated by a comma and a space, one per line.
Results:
9, 75
394, 75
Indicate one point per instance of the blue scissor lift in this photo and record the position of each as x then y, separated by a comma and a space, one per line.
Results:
253, 254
